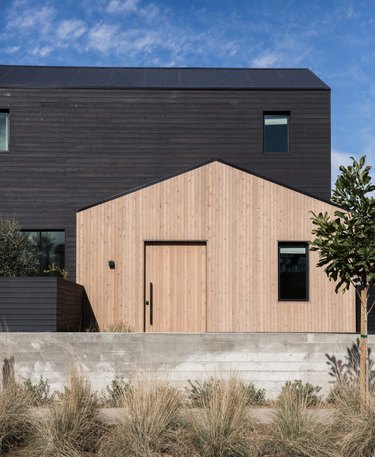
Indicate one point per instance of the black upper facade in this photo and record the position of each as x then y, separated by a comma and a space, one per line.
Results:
75, 136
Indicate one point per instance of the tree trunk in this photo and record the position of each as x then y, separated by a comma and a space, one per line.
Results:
363, 349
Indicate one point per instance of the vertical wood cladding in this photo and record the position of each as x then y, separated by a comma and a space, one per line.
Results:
241, 218
72, 147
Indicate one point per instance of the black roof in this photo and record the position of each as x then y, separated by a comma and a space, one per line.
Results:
14, 76
199, 165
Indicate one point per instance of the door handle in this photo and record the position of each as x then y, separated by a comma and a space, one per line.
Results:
151, 304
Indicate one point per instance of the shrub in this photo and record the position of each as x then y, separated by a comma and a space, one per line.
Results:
150, 426
17, 255
295, 430
39, 392
308, 392
116, 327
116, 391
355, 425
72, 426
15, 416
223, 427
199, 392
119, 327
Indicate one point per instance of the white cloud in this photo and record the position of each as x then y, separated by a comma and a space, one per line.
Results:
31, 18
70, 29
11, 49
103, 37
119, 6
267, 59
42, 51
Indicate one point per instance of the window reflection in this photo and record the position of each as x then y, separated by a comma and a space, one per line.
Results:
4, 131
50, 246
276, 133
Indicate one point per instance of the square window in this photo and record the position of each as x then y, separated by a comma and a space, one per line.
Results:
4, 131
276, 133
293, 271
50, 247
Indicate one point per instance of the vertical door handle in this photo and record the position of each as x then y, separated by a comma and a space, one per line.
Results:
151, 304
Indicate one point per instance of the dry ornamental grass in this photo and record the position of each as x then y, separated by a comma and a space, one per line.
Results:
72, 427
223, 427
355, 426
296, 431
150, 425
15, 417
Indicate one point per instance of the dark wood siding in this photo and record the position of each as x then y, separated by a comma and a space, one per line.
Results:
69, 306
28, 304
71, 148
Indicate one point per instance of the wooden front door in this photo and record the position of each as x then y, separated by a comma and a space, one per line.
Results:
175, 287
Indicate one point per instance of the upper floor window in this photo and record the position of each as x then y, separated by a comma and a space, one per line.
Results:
50, 246
276, 132
293, 271
4, 130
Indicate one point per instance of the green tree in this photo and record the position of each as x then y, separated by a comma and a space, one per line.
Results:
346, 244
17, 255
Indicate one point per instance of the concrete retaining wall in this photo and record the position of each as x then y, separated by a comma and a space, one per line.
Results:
268, 360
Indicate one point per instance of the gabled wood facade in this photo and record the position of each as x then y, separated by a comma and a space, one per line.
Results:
227, 223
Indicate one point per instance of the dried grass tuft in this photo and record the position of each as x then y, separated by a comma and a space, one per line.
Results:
355, 425
15, 417
119, 327
224, 426
72, 426
296, 431
151, 424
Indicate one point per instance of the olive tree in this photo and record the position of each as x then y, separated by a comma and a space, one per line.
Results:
346, 243
17, 255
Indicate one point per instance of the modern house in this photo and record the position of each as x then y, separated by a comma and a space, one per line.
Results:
214, 172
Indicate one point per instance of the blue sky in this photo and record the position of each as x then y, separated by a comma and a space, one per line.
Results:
336, 39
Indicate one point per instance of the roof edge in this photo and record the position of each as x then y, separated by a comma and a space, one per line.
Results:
199, 165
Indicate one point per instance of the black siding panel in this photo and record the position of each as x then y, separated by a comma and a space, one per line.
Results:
69, 306
28, 304
70, 148
371, 315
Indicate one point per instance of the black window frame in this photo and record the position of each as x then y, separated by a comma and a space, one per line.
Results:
40, 271
280, 244
4, 151
288, 114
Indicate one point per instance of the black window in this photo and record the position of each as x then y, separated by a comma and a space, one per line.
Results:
276, 132
50, 246
4, 130
293, 271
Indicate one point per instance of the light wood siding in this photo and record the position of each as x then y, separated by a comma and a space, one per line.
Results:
242, 218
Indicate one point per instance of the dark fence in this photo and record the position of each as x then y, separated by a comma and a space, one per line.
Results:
40, 304
69, 306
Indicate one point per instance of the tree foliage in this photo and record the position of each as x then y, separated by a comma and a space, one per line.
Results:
346, 243
17, 255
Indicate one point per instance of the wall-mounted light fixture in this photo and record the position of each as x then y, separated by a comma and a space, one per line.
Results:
111, 264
